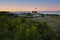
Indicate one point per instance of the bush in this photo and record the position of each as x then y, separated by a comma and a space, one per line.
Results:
26, 29
43, 15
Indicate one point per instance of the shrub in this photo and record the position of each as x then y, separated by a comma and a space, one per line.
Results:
26, 29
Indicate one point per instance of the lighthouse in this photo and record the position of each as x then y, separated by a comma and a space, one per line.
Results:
34, 11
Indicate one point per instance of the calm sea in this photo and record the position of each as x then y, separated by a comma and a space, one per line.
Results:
44, 12
49, 12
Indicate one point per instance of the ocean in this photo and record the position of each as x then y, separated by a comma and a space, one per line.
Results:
49, 12
43, 12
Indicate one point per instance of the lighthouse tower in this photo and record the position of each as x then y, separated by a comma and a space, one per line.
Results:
34, 11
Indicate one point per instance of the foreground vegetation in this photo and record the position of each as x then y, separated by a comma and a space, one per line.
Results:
17, 28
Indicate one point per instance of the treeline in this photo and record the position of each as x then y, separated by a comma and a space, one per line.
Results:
51, 15
7, 13
25, 29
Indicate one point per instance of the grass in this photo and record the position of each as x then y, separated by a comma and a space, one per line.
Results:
17, 28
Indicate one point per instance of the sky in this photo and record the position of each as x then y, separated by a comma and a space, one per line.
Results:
29, 5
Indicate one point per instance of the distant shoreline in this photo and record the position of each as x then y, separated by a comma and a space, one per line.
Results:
43, 12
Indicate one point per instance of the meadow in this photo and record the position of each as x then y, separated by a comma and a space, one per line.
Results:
21, 28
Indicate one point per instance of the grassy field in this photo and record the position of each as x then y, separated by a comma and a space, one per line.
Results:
21, 28
52, 21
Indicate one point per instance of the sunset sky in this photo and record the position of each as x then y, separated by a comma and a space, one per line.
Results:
29, 5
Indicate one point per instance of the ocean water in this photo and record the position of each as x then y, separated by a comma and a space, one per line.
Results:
49, 12
43, 12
